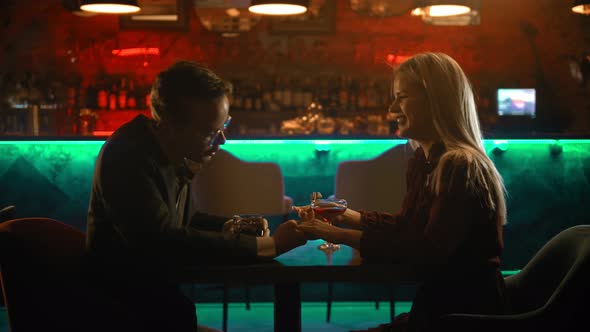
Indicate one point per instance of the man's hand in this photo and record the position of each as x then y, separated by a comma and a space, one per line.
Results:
265, 227
228, 226
230, 230
288, 236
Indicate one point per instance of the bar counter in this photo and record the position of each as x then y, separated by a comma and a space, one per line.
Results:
547, 179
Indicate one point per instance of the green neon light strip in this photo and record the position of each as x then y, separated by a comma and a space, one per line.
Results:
52, 142
507, 273
536, 141
325, 141
319, 141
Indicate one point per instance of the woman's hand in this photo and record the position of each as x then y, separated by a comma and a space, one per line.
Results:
350, 218
316, 228
305, 212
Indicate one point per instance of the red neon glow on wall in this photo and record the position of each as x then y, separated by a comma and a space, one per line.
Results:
394, 59
137, 51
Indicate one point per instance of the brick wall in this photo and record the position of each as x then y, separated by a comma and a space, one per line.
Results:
43, 36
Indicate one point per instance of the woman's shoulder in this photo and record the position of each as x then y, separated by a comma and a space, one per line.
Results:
456, 160
462, 168
463, 158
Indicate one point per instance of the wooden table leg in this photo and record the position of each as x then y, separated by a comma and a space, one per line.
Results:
287, 307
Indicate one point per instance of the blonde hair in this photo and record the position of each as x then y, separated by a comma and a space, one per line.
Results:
452, 106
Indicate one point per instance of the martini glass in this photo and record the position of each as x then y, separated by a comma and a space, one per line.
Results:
326, 209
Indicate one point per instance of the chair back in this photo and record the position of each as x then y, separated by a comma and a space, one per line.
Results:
7, 213
228, 185
377, 184
38, 269
557, 277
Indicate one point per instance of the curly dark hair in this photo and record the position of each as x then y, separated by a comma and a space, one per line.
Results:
184, 80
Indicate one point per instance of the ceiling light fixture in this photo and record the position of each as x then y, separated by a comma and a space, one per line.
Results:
442, 8
279, 7
581, 7
110, 6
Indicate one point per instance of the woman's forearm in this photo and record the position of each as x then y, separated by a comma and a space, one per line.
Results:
352, 219
349, 237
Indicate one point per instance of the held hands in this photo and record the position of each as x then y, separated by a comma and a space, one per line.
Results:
306, 214
313, 227
316, 228
288, 236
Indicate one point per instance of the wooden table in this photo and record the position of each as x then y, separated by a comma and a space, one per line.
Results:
304, 264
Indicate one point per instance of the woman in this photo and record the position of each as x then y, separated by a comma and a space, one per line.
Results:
454, 208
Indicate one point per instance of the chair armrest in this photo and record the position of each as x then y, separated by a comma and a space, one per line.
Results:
7, 213
287, 205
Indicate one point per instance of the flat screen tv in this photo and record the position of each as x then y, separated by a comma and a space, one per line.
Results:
517, 102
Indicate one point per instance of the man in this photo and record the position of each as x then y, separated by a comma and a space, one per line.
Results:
140, 227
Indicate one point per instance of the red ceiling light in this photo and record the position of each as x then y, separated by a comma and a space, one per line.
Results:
395, 59
136, 51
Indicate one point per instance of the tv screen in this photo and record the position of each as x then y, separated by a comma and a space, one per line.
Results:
516, 102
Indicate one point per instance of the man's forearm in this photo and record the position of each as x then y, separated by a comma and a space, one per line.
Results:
208, 222
265, 247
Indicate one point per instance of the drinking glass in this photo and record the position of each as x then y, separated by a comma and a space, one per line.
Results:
326, 209
249, 224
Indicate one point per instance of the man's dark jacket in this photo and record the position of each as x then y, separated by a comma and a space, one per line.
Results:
136, 240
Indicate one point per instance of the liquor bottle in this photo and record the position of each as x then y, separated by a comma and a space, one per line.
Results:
91, 96
298, 100
308, 95
363, 99
278, 91
148, 100
248, 101
267, 101
81, 100
257, 98
102, 100
237, 102
148, 95
372, 95
131, 98
324, 93
353, 93
122, 95
113, 96
141, 91
34, 114
60, 114
343, 94
287, 96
